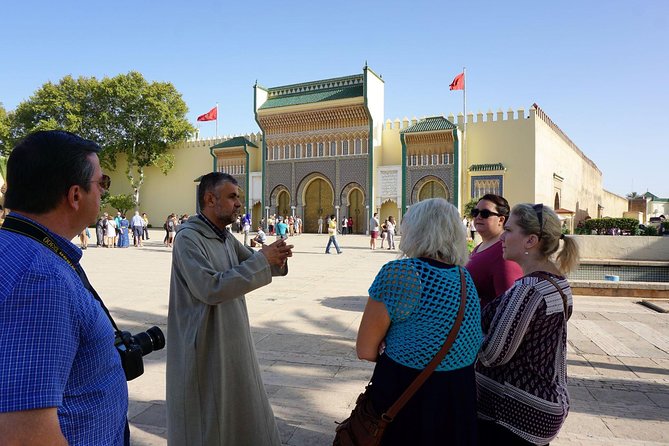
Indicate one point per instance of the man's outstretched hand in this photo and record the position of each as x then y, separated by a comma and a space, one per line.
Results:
277, 253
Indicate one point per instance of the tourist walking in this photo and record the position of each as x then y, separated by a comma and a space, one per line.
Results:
412, 307
320, 224
522, 369
344, 225
111, 232
349, 225
281, 229
246, 228
492, 274
332, 235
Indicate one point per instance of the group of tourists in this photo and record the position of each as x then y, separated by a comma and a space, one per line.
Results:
503, 380
294, 225
385, 231
114, 232
504, 307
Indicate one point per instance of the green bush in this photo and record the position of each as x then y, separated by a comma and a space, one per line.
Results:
602, 226
650, 230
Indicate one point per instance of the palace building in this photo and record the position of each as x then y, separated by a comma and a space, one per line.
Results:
324, 148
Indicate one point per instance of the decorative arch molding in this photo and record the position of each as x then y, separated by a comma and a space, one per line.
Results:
423, 181
274, 196
308, 180
346, 192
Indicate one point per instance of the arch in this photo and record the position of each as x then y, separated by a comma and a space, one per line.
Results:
346, 193
430, 186
279, 200
316, 197
353, 200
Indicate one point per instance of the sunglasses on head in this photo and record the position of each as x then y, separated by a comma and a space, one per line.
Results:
104, 182
484, 213
539, 210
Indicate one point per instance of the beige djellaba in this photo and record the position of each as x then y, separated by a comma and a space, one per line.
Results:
215, 394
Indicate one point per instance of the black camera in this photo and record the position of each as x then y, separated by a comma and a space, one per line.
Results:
132, 348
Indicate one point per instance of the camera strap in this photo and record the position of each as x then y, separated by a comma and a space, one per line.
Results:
31, 230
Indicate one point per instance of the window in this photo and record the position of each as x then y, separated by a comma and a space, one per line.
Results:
358, 146
344, 147
333, 148
486, 185
321, 149
286, 151
298, 151
309, 154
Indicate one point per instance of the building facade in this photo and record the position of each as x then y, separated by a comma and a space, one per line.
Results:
324, 149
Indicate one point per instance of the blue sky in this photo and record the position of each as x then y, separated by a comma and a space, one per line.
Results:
599, 69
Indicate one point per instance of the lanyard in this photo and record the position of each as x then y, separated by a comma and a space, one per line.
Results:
31, 230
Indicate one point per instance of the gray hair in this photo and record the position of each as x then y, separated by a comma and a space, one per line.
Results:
433, 228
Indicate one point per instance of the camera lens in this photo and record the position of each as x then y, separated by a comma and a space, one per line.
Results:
150, 340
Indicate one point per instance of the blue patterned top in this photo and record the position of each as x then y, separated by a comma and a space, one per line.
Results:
57, 343
422, 297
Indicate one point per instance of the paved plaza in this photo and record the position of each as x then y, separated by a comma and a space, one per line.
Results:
305, 325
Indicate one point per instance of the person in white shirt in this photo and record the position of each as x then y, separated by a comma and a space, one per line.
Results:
137, 224
390, 227
373, 230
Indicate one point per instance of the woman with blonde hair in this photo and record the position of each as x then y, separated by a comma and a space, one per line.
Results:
411, 310
521, 374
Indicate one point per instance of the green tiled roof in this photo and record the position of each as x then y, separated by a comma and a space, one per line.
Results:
486, 167
237, 141
432, 124
313, 92
313, 97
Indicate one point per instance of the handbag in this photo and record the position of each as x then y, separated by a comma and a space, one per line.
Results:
365, 426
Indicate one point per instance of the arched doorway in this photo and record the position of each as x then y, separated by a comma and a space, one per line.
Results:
283, 204
432, 189
318, 202
356, 209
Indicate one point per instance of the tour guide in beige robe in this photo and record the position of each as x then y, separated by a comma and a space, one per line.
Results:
215, 395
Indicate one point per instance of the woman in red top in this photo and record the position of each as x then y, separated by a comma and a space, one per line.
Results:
492, 274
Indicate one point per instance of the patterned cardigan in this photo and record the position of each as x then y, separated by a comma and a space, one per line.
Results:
521, 374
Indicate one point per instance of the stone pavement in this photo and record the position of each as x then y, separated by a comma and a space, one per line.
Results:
305, 326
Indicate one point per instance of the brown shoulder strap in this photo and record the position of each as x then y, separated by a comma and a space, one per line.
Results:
565, 303
390, 414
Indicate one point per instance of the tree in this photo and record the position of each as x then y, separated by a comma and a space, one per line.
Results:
5, 144
633, 195
125, 114
120, 202
469, 206
141, 120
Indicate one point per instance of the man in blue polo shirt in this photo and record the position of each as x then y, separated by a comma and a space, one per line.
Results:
61, 379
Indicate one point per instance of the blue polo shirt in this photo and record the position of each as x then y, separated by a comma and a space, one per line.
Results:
57, 343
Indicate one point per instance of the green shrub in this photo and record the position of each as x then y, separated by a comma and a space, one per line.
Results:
650, 230
602, 226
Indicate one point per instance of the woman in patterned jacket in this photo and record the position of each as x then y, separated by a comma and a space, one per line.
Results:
412, 307
521, 374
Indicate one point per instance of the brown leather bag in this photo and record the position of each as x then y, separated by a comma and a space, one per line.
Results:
365, 426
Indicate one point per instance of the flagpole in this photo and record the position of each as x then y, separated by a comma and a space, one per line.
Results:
217, 120
464, 131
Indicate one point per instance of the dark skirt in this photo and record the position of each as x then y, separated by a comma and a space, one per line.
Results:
442, 411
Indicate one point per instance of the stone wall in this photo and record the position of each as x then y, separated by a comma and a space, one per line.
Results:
623, 247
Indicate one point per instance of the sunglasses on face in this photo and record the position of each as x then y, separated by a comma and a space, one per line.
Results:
484, 213
104, 182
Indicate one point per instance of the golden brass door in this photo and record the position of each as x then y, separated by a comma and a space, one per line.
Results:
356, 209
432, 189
318, 201
283, 204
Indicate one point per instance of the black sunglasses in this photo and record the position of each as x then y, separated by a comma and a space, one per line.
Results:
539, 210
484, 213
104, 182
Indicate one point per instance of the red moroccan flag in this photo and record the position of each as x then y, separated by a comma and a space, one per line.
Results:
459, 82
211, 115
